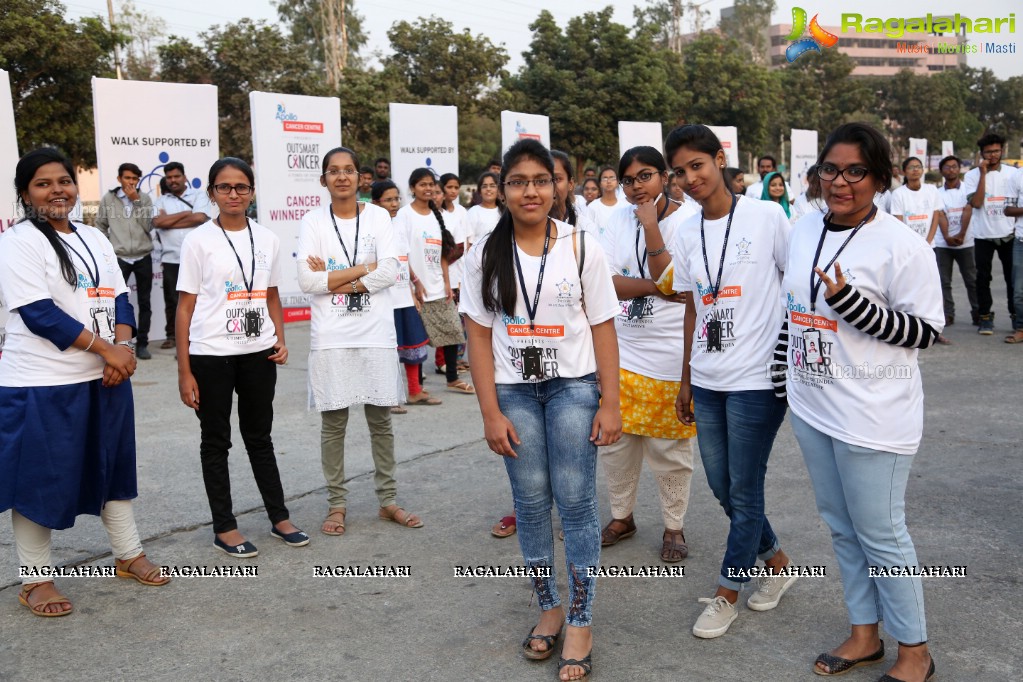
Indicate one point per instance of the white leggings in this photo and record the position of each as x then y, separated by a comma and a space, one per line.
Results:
33, 540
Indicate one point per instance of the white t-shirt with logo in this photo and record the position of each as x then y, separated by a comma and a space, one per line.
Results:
171, 240
748, 304
401, 292
30, 272
562, 327
989, 221
600, 216
917, 207
228, 320
423, 235
650, 341
954, 201
369, 323
863, 391
457, 222
481, 221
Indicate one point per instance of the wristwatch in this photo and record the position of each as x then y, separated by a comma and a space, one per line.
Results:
129, 344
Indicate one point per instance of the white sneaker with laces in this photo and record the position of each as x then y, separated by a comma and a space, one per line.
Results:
769, 592
716, 618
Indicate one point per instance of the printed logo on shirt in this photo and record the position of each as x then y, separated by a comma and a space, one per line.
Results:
541, 330
636, 312
91, 290
431, 253
346, 305
726, 316
548, 361
816, 321
262, 260
817, 374
238, 292
245, 325
726, 292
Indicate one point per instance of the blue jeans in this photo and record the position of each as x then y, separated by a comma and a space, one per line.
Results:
736, 433
556, 460
1017, 283
861, 495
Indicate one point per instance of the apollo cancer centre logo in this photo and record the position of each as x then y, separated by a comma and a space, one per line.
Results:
818, 36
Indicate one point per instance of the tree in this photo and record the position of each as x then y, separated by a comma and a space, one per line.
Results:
998, 105
332, 31
51, 64
747, 25
140, 32
819, 93
664, 17
365, 110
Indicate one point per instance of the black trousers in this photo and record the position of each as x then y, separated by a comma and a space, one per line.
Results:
984, 251
143, 270
254, 379
170, 295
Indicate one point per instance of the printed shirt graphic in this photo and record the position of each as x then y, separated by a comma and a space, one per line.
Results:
337, 322
226, 321
989, 221
422, 232
749, 303
650, 341
401, 292
30, 272
171, 240
953, 201
862, 391
917, 207
562, 327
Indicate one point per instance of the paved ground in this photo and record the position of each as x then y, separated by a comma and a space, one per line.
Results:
963, 506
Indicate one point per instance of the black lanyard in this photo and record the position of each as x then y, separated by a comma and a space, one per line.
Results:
531, 310
639, 229
94, 276
351, 261
249, 283
724, 248
815, 286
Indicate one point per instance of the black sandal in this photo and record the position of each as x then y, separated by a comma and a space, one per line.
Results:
838, 665
586, 664
531, 653
930, 671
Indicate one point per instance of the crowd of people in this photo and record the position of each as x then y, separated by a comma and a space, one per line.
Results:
665, 302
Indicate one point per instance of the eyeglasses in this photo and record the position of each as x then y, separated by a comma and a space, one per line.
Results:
334, 172
520, 185
914, 168
852, 174
627, 180
224, 189
990, 152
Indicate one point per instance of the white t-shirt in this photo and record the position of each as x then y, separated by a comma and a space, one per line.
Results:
1019, 202
457, 223
481, 221
953, 201
401, 292
748, 304
425, 244
802, 206
334, 325
756, 190
580, 204
30, 272
883, 200
226, 320
649, 338
600, 216
562, 326
917, 207
895, 269
989, 221
171, 240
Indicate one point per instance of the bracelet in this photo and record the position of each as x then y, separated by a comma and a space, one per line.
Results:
91, 342
355, 286
415, 280
658, 252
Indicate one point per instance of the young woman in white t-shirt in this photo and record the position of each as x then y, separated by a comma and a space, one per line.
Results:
591, 191
347, 261
730, 258
66, 407
601, 209
865, 292
456, 220
230, 336
483, 216
534, 352
917, 204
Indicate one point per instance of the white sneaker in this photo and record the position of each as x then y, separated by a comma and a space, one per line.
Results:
769, 592
716, 618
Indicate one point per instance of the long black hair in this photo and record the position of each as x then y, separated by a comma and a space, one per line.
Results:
500, 286
561, 157
447, 239
23, 174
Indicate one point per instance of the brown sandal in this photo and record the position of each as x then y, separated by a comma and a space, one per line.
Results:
38, 609
153, 577
338, 527
504, 528
609, 536
674, 549
400, 516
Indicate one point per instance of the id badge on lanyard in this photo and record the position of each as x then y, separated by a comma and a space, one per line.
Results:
812, 344
102, 325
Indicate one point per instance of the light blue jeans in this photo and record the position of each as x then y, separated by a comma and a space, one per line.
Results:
556, 461
861, 495
1017, 283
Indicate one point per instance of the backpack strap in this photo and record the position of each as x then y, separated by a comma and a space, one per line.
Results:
579, 249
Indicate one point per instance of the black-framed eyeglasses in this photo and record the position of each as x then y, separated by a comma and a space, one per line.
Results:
852, 174
628, 180
520, 185
224, 189
990, 152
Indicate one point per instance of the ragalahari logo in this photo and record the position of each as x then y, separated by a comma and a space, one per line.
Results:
818, 36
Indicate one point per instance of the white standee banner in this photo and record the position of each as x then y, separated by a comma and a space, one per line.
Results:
729, 137
918, 148
803, 155
8, 152
290, 135
517, 126
422, 136
150, 124
639, 133
947, 148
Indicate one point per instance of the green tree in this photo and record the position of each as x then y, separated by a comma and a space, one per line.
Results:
997, 104
747, 24
928, 106
331, 30
141, 32
51, 63
365, 110
819, 93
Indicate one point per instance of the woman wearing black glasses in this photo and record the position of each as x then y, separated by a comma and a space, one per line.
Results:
230, 335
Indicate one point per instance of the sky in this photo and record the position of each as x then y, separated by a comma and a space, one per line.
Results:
507, 22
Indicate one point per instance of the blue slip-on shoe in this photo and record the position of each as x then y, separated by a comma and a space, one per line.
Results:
296, 539
245, 550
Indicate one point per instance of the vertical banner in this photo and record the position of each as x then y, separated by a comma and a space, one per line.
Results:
947, 148
803, 155
8, 152
290, 134
637, 133
422, 135
918, 148
150, 124
729, 136
516, 126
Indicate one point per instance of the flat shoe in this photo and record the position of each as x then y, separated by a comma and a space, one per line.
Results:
888, 678
246, 550
674, 550
398, 409
534, 655
167, 344
1015, 338
423, 399
37, 610
295, 539
410, 520
461, 387
839, 666
586, 664
153, 577
504, 528
609, 537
